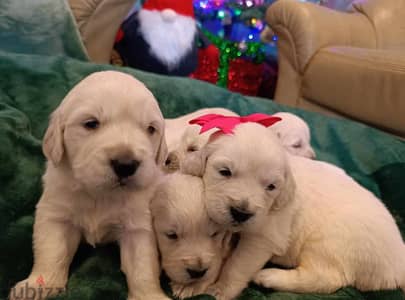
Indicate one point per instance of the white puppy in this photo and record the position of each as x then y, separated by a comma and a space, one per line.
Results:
183, 138
104, 145
191, 141
327, 229
191, 246
294, 134
176, 127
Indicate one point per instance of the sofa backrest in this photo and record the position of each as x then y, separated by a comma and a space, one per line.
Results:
388, 18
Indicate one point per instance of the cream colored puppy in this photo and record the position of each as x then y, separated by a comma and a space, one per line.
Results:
327, 229
104, 145
191, 141
294, 134
191, 246
183, 138
175, 128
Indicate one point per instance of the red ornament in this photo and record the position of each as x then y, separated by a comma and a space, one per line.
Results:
208, 64
244, 76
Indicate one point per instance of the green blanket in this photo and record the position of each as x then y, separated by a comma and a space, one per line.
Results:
41, 58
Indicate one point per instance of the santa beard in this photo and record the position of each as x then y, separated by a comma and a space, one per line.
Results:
169, 41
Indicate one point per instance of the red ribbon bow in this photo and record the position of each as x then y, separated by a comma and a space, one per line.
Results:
227, 123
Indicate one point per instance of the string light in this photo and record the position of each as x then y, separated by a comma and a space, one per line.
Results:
259, 25
221, 14
237, 12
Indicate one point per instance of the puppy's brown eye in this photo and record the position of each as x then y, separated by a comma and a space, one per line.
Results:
191, 148
271, 187
172, 236
297, 145
225, 172
214, 234
91, 124
151, 130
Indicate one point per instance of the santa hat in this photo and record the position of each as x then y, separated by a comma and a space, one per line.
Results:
181, 7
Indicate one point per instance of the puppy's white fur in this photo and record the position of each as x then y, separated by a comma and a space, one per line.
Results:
320, 223
294, 134
83, 198
175, 128
187, 238
183, 138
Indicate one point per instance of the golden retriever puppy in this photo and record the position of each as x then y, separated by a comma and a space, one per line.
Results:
182, 138
294, 134
191, 141
175, 127
104, 145
299, 213
191, 246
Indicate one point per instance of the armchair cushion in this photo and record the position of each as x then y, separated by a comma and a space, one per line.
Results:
303, 28
388, 19
337, 76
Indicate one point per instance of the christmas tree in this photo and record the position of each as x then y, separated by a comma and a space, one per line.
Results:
233, 27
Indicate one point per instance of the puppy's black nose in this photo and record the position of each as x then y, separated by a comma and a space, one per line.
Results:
240, 215
124, 168
194, 274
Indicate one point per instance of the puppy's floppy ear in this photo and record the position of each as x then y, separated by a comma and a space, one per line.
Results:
52, 145
159, 200
287, 193
194, 162
162, 152
154, 203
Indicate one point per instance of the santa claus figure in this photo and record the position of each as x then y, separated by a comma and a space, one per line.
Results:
160, 37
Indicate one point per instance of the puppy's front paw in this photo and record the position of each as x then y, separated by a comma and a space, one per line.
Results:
217, 291
190, 290
34, 289
177, 290
157, 296
264, 278
183, 291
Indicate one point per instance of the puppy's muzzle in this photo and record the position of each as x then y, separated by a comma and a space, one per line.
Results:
124, 167
239, 215
195, 274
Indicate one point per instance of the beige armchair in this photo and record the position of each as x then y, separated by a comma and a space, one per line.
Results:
343, 63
